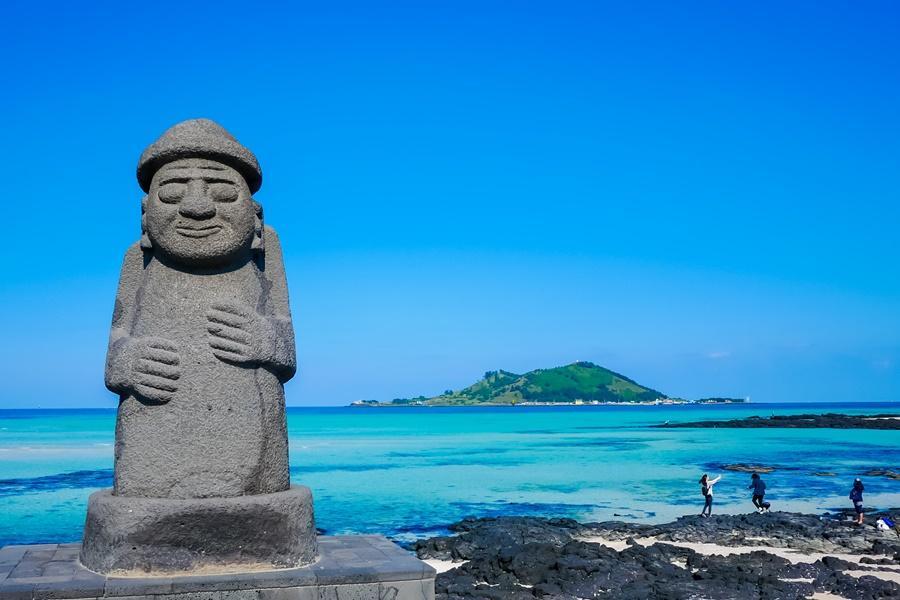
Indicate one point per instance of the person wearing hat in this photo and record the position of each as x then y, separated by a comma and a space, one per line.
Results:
856, 496
202, 339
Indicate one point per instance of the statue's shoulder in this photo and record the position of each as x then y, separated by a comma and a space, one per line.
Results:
134, 251
270, 233
132, 267
134, 258
270, 239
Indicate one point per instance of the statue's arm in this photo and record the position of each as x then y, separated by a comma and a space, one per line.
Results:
147, 367
118, 360
283, 356
263, 335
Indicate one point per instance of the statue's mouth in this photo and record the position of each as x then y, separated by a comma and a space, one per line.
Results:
198, 232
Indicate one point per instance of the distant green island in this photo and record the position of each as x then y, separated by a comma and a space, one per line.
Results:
579, 383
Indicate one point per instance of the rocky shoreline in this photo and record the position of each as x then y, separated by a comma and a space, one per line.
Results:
809, 421
776, 555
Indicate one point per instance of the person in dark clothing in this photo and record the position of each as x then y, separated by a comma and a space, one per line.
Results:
759, 493
856, 496
706, 488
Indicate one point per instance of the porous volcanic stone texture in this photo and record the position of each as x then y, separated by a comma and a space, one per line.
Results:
200, 347
198, 138
170, 534
202, 339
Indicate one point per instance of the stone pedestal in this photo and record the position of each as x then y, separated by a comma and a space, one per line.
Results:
150, 535
359, 567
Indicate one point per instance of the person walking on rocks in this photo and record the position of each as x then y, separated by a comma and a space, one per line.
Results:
759, 493
856, 496
706, 488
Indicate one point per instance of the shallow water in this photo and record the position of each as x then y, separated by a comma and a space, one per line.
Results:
407, 472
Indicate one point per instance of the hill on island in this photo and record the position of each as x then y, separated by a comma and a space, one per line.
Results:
580, 381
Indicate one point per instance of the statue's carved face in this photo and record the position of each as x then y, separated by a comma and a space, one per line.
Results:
199, 212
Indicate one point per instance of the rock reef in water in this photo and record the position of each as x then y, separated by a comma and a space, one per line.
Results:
882, 473
748, 468
522, 558
825, 421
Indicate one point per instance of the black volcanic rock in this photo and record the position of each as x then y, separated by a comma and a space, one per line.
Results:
478, 535
882, 473
805, 533
808, 421
522, 558
748, 468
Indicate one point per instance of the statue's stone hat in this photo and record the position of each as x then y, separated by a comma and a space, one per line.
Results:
198, 138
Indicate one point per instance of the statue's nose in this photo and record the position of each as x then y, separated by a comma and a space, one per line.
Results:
196, 204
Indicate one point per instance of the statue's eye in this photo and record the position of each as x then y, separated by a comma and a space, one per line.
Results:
171, 193
223, 192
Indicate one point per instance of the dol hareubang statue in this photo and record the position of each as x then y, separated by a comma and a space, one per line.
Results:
201, 344
200, 347
202, 337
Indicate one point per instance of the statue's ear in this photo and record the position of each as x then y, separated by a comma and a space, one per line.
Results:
258, 244
145, 239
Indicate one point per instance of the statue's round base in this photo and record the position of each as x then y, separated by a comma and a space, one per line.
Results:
127, 535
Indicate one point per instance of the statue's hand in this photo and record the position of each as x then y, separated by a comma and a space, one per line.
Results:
155, 368
238, 334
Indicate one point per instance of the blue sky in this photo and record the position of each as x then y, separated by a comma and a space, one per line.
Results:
704, 198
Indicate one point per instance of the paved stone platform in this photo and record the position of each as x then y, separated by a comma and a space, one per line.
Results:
351, 567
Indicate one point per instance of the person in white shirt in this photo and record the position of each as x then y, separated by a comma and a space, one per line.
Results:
706, 488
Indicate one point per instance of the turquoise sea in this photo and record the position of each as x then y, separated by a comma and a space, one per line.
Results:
408, 472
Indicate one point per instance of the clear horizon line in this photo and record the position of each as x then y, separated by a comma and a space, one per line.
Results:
886, 402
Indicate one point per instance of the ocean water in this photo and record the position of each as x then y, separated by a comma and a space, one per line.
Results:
408, 472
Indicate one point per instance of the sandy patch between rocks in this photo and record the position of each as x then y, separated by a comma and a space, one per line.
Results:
442, 566
886, 572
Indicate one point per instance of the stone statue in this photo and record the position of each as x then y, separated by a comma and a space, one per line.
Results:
201, 345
